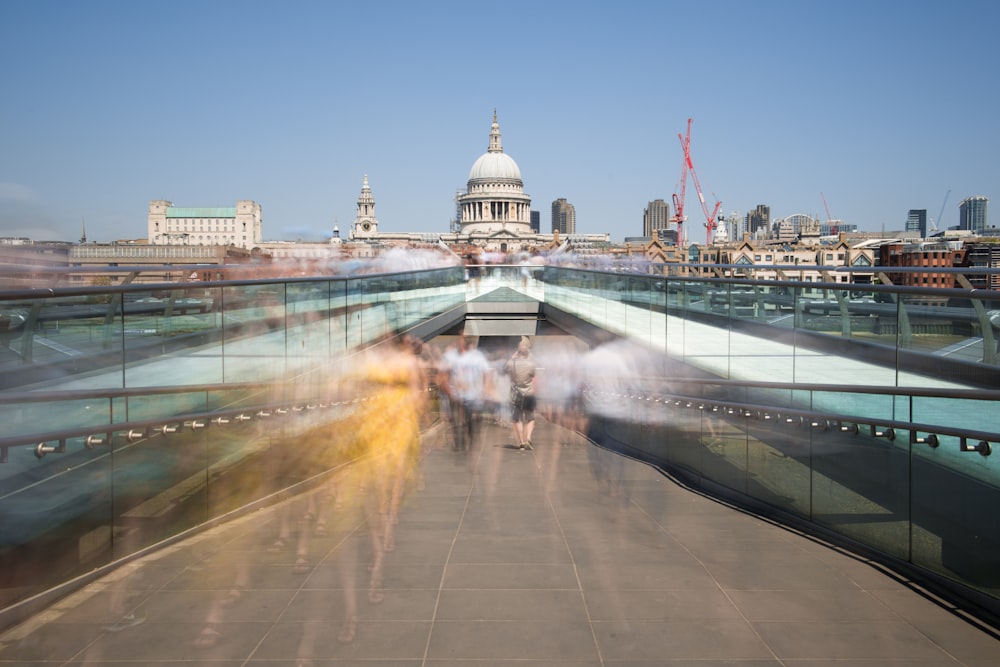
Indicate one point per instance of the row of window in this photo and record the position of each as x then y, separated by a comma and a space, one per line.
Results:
137, 251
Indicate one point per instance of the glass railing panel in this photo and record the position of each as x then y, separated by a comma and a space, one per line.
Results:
705, 333
253, 332
68, 335
307, 322
159, 487
955, 530
641, 315
179, 325
172, 337
56, 517
354, 317
954, 486
861, 488
945, 332
777, 455
944, 326
681, 435
725, 449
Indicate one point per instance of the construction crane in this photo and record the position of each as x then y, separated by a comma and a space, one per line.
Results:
829, 219
933, 227
710, 223
678, 217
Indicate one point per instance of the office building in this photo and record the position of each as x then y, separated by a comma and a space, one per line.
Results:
759, 221
563, 217
656, 216
972, 214
916, 221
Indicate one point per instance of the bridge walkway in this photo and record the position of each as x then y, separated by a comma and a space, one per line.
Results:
564, 555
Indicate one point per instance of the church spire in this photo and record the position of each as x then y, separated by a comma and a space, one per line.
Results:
495, 146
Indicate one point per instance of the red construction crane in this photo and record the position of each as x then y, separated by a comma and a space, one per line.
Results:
829, 220
678, 216
710, 223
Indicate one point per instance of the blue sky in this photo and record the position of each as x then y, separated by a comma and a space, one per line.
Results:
881, 106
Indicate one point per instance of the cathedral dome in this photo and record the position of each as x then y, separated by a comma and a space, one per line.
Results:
491, 166
495, 202
494, 165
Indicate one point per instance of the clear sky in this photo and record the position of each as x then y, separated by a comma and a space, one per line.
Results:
105, 105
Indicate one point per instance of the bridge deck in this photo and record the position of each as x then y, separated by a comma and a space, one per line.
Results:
506, 558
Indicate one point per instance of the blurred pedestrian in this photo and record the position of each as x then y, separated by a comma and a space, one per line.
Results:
522, 369
470, 382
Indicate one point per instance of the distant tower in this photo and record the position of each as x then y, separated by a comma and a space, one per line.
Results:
83, 235
916, 221
972, 213
656, 216
563, 217
365, 224
759, 221
734, 227
536, 222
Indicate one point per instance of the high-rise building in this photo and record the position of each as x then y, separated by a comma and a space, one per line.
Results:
656, 216
972, 213
732, 228
759, 221
536, 222
916, 221
563, 217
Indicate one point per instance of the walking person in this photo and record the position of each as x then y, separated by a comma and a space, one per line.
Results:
470, 382
521, 368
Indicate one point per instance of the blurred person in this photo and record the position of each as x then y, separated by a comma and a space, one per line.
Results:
469, 381
380, 442
610, 372
473, 271
499, 398
522, 369
391, 426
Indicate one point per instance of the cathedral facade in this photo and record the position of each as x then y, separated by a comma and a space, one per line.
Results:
495, 212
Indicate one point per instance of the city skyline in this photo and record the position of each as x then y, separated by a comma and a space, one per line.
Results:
111, 105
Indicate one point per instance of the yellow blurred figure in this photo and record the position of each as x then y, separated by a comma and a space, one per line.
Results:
388, 420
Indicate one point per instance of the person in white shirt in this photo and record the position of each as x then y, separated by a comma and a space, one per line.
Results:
469, 382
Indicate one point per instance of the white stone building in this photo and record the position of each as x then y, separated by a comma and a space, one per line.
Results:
494, 200
240, 226
495, 212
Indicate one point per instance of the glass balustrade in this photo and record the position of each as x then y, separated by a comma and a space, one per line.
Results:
135, 412
867, 410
